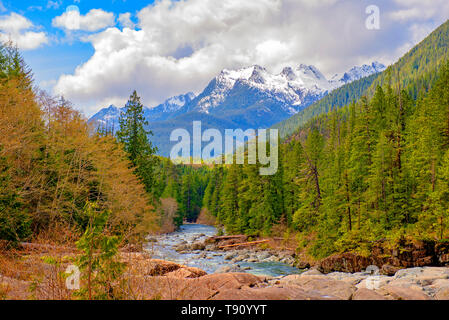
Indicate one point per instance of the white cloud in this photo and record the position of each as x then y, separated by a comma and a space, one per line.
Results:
181, 45
54, 4
94, 20
2, 7
16, 28
14, 23
420, 10
125, 20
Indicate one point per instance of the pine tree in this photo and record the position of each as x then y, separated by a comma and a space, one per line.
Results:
134, 137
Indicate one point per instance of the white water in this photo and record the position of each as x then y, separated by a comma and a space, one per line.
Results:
209, 261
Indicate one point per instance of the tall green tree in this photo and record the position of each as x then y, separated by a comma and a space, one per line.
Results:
133, 135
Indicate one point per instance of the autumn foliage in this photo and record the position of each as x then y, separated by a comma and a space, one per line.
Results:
52, 162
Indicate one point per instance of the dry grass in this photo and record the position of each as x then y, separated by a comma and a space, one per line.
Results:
37, 272
27, 274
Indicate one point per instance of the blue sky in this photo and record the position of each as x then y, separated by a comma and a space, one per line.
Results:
62, 56
167, 47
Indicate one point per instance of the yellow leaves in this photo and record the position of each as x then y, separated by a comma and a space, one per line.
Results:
58, 162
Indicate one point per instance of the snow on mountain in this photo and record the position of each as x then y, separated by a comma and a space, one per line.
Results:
293, 87
220, 86
357, 73
175, 103
106, 116
110, 116
248, 96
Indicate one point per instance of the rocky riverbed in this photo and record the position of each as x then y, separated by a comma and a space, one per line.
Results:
168, 280
204, 266
194, 246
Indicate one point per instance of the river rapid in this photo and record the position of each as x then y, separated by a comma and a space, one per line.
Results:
164, 247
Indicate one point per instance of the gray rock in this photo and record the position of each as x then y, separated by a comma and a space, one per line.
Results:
422, 276
312, 272
239, 258
229, 269
230, 256
181, 247
263, 255
198, 246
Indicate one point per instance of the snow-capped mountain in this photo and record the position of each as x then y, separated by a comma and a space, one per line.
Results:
357, 73
173, 104
294, 88
246, 98
170, 108
291, 87
109, 117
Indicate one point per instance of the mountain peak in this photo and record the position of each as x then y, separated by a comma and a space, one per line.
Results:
310, 71
358, 72
263, 97
288, 73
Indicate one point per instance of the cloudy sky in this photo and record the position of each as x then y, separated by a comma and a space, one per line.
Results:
95, 53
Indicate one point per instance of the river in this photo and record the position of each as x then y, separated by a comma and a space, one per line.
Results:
163, 247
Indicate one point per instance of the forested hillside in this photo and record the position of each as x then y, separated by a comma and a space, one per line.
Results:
376, 169
416, 72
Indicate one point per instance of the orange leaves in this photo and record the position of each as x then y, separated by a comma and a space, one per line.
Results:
57, 162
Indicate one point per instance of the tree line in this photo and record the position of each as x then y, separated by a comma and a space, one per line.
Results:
375, 169
53, 162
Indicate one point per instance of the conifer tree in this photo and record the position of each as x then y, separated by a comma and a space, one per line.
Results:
134, 137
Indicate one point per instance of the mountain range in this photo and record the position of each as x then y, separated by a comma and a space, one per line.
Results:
415, 72
246, 98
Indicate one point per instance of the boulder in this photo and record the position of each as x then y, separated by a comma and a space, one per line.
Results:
203, 288
155, 267
350, 278
229, 269
239, 258
407, 292
366, 294
346, 262
230, 255
312, 272
198, 246
186, 273
229, 281
423, 276
321, 285
442, 294
374, 282
181, 248
271, 293
389, 270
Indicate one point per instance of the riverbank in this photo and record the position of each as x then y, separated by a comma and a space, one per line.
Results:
27, 274
168, 280
194, 245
